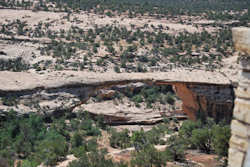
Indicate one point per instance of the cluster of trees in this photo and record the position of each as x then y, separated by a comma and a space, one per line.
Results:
154, 94
37, 139
15, 27
19, 27
15, 65
137, 139
13, 4
148, 95
208, 137
144, 156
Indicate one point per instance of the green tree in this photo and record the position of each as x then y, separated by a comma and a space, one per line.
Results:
220, 140
202, 139
76, 140
52, 148
175, 149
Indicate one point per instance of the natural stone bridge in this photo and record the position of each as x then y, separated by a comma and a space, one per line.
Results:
208, 92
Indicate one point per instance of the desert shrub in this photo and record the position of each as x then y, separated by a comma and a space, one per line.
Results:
86, 146
117, 69
137, 99
100, 122
170, 99
76, 140
143, 59
60, 126
27, 163
94, 131
120, 139
187, 128
79, 151
91, 130
101, 62
154, 135
139, 139
140, 68
147, 157
91, 145
10, 101
74, 124
152, 94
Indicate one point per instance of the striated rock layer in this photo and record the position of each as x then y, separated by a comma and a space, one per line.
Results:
239, 152
57, 92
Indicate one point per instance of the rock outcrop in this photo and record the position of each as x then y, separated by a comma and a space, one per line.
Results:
57, 92
120, 114
239, 152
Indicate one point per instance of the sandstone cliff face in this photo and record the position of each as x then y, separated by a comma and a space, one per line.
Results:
238, 155
215, 101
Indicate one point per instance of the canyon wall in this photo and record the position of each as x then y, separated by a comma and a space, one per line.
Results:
239, 152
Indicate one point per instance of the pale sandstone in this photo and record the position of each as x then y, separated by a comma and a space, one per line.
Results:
241, 125
16, 81
241, 110
241, 37
243, 92
237, 158
239, 143
239, 129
